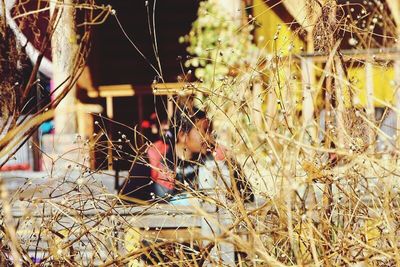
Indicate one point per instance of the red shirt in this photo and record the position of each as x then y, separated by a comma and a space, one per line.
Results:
160, 173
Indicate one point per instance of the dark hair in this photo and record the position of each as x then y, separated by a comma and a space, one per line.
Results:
185, 119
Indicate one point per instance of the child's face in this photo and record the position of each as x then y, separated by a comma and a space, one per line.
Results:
196, 140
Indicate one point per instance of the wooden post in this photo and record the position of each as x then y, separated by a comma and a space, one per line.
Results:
328, 112
308, 79
85, 126
307, 74
369, 73
110, 115
35, 137
340, 109
170, 109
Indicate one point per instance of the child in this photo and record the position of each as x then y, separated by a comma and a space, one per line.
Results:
186, 160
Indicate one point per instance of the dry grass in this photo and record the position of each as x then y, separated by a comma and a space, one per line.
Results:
325, 196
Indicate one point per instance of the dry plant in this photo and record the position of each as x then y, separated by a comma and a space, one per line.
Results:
324, 195
330, 196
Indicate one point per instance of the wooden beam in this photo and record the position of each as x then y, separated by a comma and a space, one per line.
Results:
181, 89
120, 90
382, 54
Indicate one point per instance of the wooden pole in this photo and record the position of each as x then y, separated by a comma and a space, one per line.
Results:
328, 112
369, 73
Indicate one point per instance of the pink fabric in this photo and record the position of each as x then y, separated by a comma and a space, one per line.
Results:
160, 173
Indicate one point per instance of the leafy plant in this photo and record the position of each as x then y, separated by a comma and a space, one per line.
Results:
220, 44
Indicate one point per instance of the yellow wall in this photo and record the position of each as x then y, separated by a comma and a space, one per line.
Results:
270, 24
383, 87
